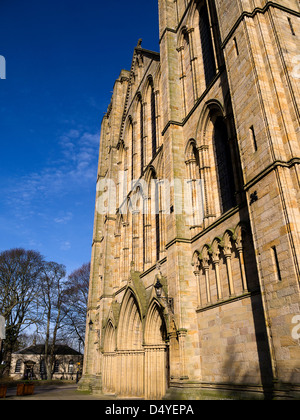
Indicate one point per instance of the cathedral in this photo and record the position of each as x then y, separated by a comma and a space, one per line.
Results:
194, 287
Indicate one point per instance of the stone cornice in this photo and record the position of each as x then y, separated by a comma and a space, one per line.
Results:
257, 10
270, 168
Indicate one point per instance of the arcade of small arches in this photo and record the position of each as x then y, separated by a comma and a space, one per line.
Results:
224, 267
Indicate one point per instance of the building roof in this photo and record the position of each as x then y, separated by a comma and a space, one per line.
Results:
59, 349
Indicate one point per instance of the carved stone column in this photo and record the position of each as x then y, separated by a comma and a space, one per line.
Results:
197, 275
239, 247
181, 339
216, 262
205, 175
205, 265
182, 76
194, 63
227, 253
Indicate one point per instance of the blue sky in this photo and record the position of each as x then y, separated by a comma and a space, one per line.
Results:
62, 58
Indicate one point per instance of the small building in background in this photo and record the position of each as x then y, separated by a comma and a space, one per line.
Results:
29, 363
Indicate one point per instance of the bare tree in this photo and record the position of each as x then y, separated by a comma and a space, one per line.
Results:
20, 272
77, 288
52, 298
36, 292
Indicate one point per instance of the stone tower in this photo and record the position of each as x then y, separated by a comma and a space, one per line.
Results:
195, 262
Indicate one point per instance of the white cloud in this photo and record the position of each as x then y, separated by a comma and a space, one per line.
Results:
74, 169
80, 150
47, 208
64, 219
65, 246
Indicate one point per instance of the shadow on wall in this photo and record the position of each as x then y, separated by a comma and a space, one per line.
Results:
244, 379
248, 381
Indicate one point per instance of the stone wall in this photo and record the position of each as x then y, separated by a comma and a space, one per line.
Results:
219, 106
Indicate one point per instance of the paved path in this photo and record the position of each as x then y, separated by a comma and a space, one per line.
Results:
52, 392
68, 392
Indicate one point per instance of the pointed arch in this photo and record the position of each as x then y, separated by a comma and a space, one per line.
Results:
152, 219
186, 70
209, 63
224, 167
158, 99
227, 238
196, 261
151, 119
140, 130
130, 351
137, 217
155, 326
118, 250
199, 22
246, 253
130, 148
160, 166
189, 148
156, 353
217, 167
130, 331
205, 260
195, 184
122, 181
124, 239
213, 106
240, 232
201, 264
163, 202
109, 338
109, 358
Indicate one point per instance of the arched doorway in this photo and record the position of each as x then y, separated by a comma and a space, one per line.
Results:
109, 357
135, 355
130, 351
156, 354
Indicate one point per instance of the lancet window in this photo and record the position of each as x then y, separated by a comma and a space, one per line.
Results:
209, 63
153, 120
224, 167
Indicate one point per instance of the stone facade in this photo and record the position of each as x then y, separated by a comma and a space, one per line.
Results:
198, 192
